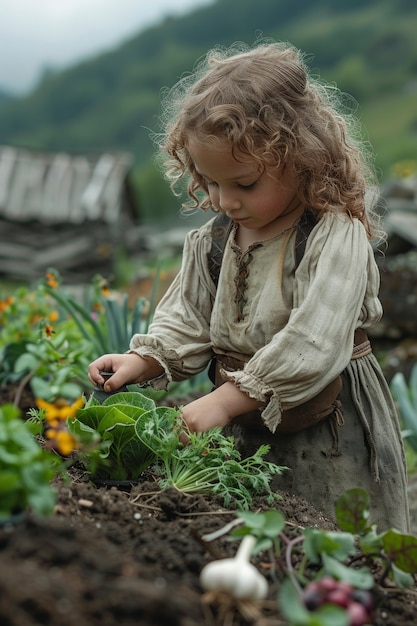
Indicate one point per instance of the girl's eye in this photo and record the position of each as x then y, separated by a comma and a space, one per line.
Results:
247, 187
211, 183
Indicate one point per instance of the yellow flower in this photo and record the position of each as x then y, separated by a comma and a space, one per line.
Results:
53, 316
59, 411
62, 440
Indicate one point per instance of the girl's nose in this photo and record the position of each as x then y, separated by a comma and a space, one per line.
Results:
228, 201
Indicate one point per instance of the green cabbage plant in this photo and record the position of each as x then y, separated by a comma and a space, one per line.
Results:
110, 448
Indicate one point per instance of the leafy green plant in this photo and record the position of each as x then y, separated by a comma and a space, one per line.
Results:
40, 349
329, 588
135, 434
54, 366
26, 469
20, 314
109, 446
405, 397
103, 319
209, 464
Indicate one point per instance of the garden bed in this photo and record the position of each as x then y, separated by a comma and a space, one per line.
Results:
134, 555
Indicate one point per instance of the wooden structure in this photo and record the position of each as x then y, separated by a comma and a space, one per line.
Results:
64, 211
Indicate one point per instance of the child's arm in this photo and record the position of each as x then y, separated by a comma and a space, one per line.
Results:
217, 408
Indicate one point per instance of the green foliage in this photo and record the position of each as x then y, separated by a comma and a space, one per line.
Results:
135, 433
25, 468
406, 400
208, 464
49, 336
328, 582
121, 455
40, 348
105, 321
52, 365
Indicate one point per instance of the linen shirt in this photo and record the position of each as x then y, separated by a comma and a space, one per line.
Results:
296, 324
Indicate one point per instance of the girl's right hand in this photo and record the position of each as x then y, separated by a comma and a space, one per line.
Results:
127, 368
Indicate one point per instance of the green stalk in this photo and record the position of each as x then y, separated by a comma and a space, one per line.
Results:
73, 308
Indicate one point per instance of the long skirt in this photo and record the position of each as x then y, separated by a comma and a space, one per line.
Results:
364, 450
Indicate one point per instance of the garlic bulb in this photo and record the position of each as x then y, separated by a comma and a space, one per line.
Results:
236, 576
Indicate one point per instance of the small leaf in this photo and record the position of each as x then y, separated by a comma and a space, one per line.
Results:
41, 389
26, 362
329, 615
274, 523
401, 550
371, 542
352, 511
291, 604
252, 520
359, 578
340, 545
401, 578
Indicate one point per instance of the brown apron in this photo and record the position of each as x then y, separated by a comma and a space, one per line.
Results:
309, 413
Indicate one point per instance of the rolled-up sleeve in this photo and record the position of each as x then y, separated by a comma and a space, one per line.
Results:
179, 335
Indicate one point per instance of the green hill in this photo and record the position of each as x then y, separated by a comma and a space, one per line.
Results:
368, 47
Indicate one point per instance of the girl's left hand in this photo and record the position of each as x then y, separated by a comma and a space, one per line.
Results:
217, 408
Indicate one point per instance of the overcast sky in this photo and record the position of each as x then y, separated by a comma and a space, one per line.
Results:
35, 34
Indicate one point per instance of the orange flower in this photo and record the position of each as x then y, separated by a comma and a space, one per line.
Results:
4, 304
59, 411
49, 330
51, 280
34, 319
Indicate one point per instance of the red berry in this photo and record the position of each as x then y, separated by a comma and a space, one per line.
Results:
358, 615
339, 597
346, 587
327, 583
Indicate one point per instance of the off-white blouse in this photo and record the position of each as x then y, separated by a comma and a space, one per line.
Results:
297, 325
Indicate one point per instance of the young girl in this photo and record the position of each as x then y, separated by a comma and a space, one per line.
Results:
260, 141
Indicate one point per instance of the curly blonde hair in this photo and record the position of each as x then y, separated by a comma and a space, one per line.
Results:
263, 102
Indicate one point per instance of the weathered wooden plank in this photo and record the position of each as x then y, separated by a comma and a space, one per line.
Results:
13, 208
91, 198
32, 203
51, 210
7, 163
82, 172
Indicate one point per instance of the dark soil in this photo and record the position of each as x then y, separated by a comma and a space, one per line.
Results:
133, 556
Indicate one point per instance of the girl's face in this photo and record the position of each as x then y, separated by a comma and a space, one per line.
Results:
255, 199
